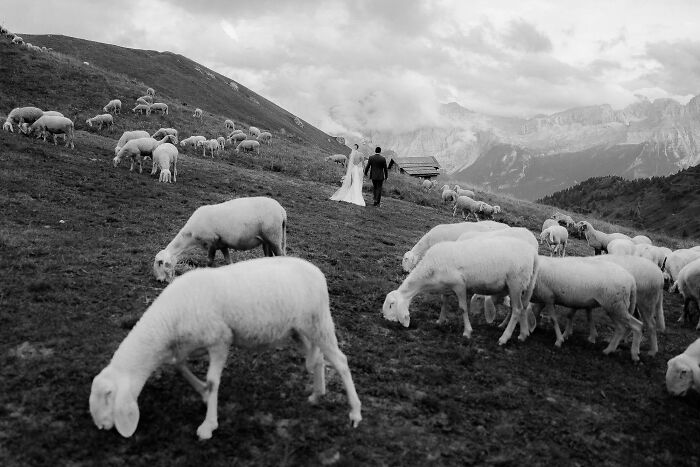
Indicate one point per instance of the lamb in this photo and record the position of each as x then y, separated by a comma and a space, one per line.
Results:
128, 136
427, 184
137, 148
443, 233
596, 239
460, 192
197, 113
236, 136
641, 239
20, 115
151, 92
557, 238
240, 224
621, 246
488, 266
683, 371
338, 159
448, 195
254, 131
563, 219
229, 125
113, 105
248, 145
147, 100
222, 142
193, 140
158, 107
688, 284
210, 309
675, 261
52, 124
655, 254
587, 283
164, 131
488, 210
265, 137
464, 204
212, 145
163, 157
142, 108
101, 120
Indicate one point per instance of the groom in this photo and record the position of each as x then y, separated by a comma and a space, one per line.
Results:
378, 174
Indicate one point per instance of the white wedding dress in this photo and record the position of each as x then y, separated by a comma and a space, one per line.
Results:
351, 189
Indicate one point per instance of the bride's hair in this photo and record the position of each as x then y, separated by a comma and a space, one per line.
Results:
357, 146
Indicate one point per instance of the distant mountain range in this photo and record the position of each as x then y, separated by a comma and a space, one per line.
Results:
531, 158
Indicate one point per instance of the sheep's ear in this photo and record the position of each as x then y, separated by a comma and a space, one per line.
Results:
126, 413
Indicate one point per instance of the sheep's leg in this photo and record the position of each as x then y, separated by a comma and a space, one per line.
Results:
592, 331
516, 312
650, 322
555, 321
210, 256
340, 363
227, 255
217, 360
461, 292
442, 319
266, 249
198, 385
686, 310
316, 366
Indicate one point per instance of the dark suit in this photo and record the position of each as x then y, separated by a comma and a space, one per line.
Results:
378, 172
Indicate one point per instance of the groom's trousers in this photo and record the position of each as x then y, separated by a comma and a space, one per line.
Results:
377, 185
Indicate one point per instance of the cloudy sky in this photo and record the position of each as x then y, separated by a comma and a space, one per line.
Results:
388, 64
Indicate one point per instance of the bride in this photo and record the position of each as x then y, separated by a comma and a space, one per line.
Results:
351, 190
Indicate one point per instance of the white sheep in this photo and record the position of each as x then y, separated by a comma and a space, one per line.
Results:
193, 140
164, 131
488, 266
158, 107
549, 222
53, 113
138, 148
688, 284
265, 137
338, 159
222, 142
142, 108
54, 125
17, 40
448, 195
521, 233
254, 131
212, 145
229, 124
20, 115
114, 105
621, 246
655, 254
163, 157
240, 224
128, 136
465, 204
7, 126
428, 184
444, 233
461, 192
235, 138
676, 261
683, 371
557, 238
641, 239
151, 92
586, 283
211, 309
145, 100
101, 120
596, 239
197, 113
486, 209
248, 145
563, 219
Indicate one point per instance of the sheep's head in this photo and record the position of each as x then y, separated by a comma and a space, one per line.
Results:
118, 158
89, 122
409, 261
680, 374
164, 266
496, 209
395, 308
112, 404
24, 128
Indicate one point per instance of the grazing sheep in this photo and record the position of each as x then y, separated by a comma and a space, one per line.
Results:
151, 92
101, 120
194, 141
158, 107
596, 239
142, 108
229, 125
338, 159
444, 233
557, 238
144, 101
586, 283
655, 254
197, 113
254, 131
211, 309
163, 157
20, 115
676, 261
265, 137
621, 246
7, 126
688, 284
563, 219
54, 125
448, 195
17, 40
222, 142
115, 105
240, 224
488, 210
128, 136
53, 113
248, 145
460, 192
521, 233
549, 222
488, 266
468, 205
164, 131
683, 371
641, 239
236, 137
428, 184
138, 148
212, 145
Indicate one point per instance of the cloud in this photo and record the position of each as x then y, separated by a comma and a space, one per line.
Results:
525, 37
679, 66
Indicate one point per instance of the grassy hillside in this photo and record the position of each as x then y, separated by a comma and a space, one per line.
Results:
77, 243
659, 204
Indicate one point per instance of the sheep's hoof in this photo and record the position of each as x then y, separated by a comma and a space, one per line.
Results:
522, 337
592, 339
502, 341
355, 419
608, 351
558, 343
652, 353
313, 398
206, 429
467, 334
441, 321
